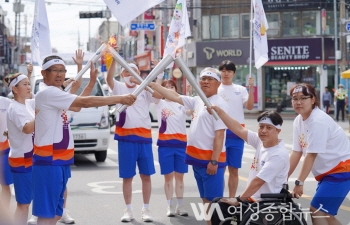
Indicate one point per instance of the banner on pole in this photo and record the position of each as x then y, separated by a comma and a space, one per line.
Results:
260, 27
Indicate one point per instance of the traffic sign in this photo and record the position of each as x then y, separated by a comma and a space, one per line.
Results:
142, 26
347, 26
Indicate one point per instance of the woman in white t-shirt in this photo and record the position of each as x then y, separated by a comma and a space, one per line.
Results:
327, 154
20, 125
172, 141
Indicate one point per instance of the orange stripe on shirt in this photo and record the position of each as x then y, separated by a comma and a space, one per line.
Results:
203, 154
43, 151
64, 154
18, 162
4, 145
342, 167
141, 132
177, 136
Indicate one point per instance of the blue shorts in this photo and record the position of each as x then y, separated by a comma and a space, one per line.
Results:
330, 195
5, 172
130, 153
22, 183
209, 186
172, 159
234, 152
49, 184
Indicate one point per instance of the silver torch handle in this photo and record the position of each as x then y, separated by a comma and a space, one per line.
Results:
160, 67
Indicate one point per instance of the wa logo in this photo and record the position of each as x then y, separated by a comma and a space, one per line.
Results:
205, 211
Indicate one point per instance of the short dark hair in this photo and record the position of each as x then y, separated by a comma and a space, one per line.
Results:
307, 90
274, 116
171, 82
227, 65
51, 57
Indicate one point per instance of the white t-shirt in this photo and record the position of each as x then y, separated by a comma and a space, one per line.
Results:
269, 164
134, 124
4, 105
20, 157
235, 96
202, 131
320, 134
172, 124
53, 141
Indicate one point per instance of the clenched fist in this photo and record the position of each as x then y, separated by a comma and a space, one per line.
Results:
127, 99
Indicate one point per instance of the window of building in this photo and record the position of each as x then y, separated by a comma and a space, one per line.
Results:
273, 20
211, 27
291, 24
229, 26
245, 25
330, 22
311, 22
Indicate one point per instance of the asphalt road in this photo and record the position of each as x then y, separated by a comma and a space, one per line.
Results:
95, 191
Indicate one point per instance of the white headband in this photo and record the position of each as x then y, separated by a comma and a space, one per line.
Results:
300, 89
266, 120
53, 62
210, 74
132, 65
15, 81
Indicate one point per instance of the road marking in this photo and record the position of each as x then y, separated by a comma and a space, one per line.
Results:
101, 186
111, 152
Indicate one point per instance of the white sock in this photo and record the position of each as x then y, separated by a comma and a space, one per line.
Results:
145, 206
169, 202
129, 207
179, 201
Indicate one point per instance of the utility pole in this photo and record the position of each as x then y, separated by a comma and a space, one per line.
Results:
342, 37
335, 43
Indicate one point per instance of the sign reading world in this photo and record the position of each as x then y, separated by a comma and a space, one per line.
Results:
142, 26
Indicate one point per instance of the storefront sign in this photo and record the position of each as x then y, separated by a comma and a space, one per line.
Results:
295, 49
213, 53
276, 5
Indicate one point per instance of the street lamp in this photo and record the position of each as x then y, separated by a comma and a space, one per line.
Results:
108, 16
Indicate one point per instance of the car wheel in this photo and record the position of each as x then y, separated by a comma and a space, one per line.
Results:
101, 156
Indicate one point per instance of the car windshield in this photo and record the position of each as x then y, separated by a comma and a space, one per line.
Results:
96, 91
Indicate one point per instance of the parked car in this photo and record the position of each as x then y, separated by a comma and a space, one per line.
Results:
90, 127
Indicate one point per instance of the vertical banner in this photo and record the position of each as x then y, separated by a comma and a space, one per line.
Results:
40, 41
260, 27
2, 41
179, 30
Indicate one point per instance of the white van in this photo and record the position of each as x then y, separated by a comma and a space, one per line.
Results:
90, 127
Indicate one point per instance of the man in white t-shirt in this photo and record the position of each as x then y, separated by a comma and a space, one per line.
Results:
236, 97
205, 149
53, 141
269, 170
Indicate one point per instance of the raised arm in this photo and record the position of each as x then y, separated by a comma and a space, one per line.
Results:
166, 93
232, 124
79, 59
110, 75
29, 70
249, 104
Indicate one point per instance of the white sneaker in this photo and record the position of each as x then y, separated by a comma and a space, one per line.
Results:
33, 220
128, 216
66, 218
181, 211
170, 212
145, 215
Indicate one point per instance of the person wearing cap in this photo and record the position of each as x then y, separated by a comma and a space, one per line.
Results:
133, 133
270, 166
205, 149
326, 151
53, 140
237, 98
341, 99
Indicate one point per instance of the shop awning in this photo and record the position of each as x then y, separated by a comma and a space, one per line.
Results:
345, 74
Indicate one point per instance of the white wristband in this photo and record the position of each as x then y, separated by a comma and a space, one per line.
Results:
160, 76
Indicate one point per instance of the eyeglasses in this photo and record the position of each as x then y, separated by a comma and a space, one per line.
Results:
207, 79
301, 99
57, 71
